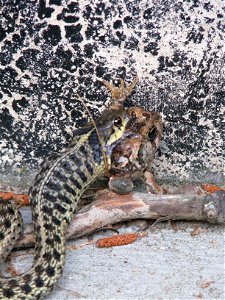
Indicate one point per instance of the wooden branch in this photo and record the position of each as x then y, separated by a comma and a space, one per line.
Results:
111, 208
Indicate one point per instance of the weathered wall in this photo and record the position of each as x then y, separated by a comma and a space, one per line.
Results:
51, 50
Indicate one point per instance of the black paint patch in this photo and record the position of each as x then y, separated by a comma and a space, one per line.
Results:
52, 35
55, 2
43, 11
194, 36
89, 50
132, 43
25, 60
7, 119
2, 34
117, 24
73, 33
19, 105
152, 47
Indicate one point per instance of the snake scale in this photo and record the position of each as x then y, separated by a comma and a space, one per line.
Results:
54, 197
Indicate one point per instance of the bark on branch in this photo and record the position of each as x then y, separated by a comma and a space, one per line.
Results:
111, 208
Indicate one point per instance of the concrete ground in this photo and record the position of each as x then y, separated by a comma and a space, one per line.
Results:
182, 260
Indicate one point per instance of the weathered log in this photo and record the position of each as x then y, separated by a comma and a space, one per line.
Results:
111, 208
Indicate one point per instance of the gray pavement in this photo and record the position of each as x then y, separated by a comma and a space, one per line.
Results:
167, 264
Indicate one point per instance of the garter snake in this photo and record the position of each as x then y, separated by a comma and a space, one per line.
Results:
54, 197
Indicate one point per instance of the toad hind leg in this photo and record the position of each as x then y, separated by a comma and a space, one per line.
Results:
151, 185
119, 94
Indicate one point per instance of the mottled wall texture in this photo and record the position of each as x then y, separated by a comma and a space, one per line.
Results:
50, 51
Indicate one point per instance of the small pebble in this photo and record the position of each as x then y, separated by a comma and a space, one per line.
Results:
121, 185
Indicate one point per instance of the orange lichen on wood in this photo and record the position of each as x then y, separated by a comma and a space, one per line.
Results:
210, 188
6, 195
117, 240
20, 199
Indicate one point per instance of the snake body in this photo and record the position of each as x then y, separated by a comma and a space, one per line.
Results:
121, 139
54, 197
